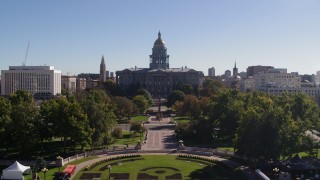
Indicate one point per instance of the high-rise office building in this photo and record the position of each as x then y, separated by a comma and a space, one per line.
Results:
211, 72
40, 81
252, 70
227, 73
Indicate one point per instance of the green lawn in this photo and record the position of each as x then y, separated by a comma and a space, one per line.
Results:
139, 118
162, 166
227, 148
127, 139
50, 173
49, 150
182, 119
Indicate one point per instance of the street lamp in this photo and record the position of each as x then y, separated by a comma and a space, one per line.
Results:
140, 134
276, 171
44, 170
59, 158
181, 142
215, 136
109, 167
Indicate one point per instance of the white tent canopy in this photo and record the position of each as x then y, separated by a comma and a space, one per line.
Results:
14, 171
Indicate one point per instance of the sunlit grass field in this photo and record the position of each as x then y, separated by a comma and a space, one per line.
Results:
162, 166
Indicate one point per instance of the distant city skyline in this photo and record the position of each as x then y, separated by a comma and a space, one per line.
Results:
73, 35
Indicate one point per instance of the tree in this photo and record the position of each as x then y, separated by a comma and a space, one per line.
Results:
113, 89
226, 110
306, 110
258, 135
100, 111
45, 126
146, 94
191, 107
24, 117
205, 104
141, 102
5, 123
178, 106
182, 130
39, 164
272, 126
81, 131
211, 87
137, 127
124, 107
175, 96
301, 114
117, 132
132, 89
187, 89
68, 121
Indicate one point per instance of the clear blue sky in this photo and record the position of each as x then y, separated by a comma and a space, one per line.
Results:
72, 35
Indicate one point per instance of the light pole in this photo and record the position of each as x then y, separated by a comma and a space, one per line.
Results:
59, 158
181, 146
215, 136
44, 170
109, 167
140, 135
276, 171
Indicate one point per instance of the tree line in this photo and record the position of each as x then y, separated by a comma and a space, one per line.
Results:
260, 126
83, 119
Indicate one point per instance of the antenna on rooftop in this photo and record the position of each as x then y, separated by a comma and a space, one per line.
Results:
25, 58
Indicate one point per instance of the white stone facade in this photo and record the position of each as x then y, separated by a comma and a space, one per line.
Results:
312, 91
69, 83
265, 80
37, 80
247, 84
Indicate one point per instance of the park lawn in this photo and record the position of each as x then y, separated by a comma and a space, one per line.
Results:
139, 119
127, 139
49, 150
51, 171
182, 119
189, 169
302, 154
227, 148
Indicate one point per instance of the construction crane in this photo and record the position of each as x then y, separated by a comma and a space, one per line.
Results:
25, 58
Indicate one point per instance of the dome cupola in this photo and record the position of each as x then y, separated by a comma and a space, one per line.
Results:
159, 58
159, 41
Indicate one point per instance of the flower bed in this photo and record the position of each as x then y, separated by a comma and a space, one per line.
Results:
176, 176
122, 176
144, 176
90, 175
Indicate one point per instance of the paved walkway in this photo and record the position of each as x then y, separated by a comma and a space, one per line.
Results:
87, 163
160, 135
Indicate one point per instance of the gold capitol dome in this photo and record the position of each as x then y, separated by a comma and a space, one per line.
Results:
159, 41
